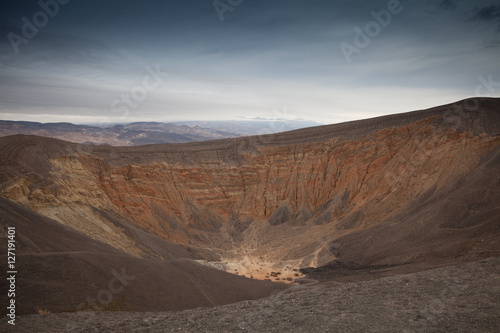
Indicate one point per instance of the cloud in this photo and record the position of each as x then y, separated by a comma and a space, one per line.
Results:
448, 5
486, 13
492, 44
265, 55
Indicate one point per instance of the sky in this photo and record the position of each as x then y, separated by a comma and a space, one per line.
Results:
87, 61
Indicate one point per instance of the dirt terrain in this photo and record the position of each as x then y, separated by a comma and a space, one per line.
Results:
464, 298
174, 227
61, 270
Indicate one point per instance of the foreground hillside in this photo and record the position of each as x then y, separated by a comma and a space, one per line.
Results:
464, 298
347, 202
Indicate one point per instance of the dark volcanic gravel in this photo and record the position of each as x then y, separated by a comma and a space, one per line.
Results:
464, 298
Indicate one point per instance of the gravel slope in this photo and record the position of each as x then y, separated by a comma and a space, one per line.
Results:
464, 298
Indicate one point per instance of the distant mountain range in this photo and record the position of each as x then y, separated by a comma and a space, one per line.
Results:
143, 133
256, 126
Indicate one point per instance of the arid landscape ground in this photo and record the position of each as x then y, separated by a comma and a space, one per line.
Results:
386, 224
461, 298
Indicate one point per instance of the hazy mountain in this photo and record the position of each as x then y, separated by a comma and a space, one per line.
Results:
255, 126
133, 134
144, 133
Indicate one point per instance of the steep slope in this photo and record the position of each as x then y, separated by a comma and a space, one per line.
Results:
272, 204
61, 270
460, 222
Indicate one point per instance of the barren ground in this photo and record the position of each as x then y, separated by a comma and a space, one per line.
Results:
364, 209
463, 298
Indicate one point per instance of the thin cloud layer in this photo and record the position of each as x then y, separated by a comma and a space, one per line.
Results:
263, 56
